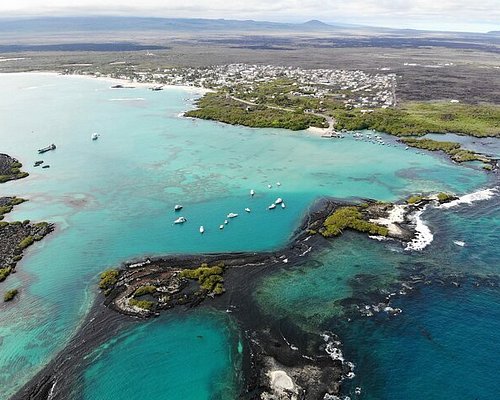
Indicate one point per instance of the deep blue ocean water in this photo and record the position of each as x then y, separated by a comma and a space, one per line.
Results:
112, 200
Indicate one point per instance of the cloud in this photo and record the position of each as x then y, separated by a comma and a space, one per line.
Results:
392, 12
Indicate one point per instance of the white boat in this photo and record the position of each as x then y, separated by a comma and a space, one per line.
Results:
232, 215
221, 226
95, 136
269, 186
279, 200
272, 206
278, 183
177, 207
226, 221
283, 205
180, 220
459, 243
247, 209
252, 192
202, 229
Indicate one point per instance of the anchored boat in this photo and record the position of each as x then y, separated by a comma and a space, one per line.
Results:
48, 148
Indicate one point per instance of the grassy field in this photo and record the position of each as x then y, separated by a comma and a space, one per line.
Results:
421, 118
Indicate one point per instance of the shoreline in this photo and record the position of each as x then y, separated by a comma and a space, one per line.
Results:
116, 81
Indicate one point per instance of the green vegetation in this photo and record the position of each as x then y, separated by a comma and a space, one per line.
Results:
144, 304
27, 241
142, 290
4, 273
219, 107
14, 172
350, 218
209, 278
108, 279
10, 294
443, 197
422, 118
7, 207
414, 199
454, 150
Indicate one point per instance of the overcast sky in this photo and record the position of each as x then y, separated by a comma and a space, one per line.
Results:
466, 15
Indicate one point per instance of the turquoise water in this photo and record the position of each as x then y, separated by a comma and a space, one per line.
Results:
112, 199
198, 372
444, 345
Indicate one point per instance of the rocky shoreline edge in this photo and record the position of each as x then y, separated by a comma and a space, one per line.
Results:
15, 236
279, 360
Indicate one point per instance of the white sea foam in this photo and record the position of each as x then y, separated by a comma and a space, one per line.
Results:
424, 236
484, 194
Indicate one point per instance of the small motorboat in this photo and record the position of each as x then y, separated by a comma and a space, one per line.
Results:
177, 207
226, 222
279, 200
95, 136
221, 226
232, 215
46, 166
283, 205
48, 148
247, 210
269, 186
459, 243
37, 163
202, 229
278, 183
252, 192
272, 206
180, 220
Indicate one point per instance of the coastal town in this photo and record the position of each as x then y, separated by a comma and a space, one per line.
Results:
356, 89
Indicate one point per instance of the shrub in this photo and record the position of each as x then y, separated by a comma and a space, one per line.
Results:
4, 273
27, 241
10, 294
414, 199
108, 279
350, 218
144, 304
142, 290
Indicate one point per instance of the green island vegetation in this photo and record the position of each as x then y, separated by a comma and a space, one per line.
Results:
144, 304
9, 205
414, 199
454, 150
10, 294
220, 107
27, 241
5, 272
143, 290
444, 197
281, 103
209, 278
108, 279
13, 172
416, 118
350, 218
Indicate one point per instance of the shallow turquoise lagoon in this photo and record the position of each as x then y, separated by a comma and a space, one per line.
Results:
194, 358
112, 199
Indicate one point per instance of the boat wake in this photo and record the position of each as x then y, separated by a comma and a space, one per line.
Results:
484, 194
423, 234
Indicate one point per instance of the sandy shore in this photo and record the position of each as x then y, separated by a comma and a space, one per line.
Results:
116, 81
317, 131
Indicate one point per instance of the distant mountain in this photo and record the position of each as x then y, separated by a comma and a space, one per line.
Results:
79, 24
495, 33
